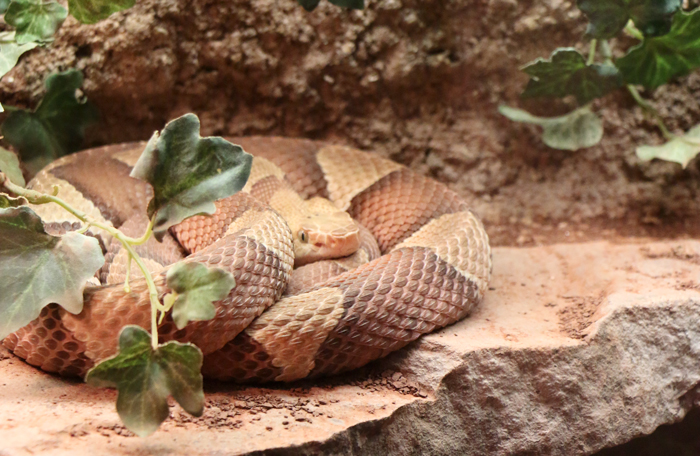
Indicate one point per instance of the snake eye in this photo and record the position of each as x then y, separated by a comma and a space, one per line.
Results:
303, 236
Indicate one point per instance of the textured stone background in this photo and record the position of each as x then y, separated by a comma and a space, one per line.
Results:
416, 80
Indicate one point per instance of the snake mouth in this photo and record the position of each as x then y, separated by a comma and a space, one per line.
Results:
325, 237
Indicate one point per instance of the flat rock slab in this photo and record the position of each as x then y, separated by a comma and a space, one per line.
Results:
576, 347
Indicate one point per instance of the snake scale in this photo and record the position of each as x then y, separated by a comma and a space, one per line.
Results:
434, 266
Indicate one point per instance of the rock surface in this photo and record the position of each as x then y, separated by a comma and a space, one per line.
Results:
576, 347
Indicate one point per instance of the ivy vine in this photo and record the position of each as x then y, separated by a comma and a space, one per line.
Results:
668, 46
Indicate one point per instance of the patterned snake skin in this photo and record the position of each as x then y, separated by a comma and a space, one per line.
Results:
434, 267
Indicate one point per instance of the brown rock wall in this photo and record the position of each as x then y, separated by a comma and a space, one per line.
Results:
416, 80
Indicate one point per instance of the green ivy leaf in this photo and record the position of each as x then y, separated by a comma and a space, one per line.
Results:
144, 378
195, 288
91, 11
8, 201
608, 17
57, 126
577, 130
34, 19
38, 269
656, 60
188, 173
9, 164
681, 149
353, 4
10, 52
310, 5
567, 74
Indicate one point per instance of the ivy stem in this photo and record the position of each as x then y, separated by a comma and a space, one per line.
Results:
605, 51
127, 288
591, 52
84, 229
146, 236
633, 31
154, 325
646, 106
168, 302
35, 197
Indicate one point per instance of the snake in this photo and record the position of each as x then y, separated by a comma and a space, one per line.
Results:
412, 258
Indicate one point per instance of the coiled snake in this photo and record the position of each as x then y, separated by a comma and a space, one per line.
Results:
434, 267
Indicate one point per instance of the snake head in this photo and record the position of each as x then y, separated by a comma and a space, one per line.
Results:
325, 236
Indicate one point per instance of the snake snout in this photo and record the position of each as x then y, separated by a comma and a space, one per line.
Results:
337, 242
327, 236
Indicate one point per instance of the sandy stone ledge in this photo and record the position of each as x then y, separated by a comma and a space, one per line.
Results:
577, 347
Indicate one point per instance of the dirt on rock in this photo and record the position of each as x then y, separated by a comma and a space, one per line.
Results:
576, 347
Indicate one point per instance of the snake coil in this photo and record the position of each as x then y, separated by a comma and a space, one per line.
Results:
434, 268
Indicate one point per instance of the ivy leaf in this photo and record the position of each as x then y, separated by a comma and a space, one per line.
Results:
34, 19
91, 11
353, 4
195, 288
656, 60
10, 52
654, 17
681, 149
567, 74
188, 173
310, 5
57, 126
144, 378
8, 201
9, 164
608, 17
577, 130
38, 269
